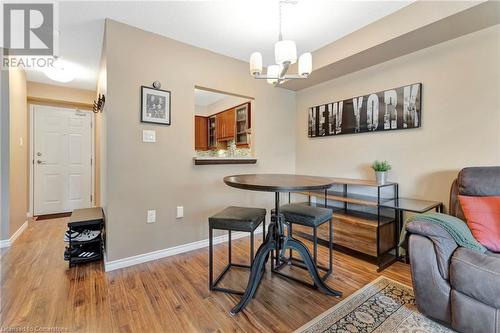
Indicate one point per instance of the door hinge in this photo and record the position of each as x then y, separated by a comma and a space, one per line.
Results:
91, 161
91, 198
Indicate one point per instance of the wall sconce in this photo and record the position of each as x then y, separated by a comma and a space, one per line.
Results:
99, 104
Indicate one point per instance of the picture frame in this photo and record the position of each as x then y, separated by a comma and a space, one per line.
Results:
155, 106
387, 110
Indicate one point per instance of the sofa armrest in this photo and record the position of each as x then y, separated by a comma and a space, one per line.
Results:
476, 275
444, 244
432, 291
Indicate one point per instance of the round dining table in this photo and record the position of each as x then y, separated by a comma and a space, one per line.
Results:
276, 240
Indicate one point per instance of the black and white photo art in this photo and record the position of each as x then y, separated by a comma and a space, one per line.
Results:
155, 106
398, 108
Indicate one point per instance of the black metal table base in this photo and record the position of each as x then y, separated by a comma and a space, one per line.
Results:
275, 240
295, 262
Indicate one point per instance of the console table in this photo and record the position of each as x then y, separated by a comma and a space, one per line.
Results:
402, 205
361, 227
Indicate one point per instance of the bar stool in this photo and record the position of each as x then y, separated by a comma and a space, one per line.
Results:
243, 219
312, 217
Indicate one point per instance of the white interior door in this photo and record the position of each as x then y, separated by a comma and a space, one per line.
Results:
62, 160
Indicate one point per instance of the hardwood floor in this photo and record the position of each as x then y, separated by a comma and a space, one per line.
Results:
167, 295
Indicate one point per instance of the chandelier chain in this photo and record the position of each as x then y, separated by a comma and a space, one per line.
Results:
280, 36
280, 3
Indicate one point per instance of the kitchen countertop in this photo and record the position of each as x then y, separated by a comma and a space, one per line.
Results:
208, 160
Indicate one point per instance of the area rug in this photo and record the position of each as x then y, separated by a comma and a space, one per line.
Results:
382, 306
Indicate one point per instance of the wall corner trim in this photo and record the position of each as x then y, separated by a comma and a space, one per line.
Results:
10, 241
145, 257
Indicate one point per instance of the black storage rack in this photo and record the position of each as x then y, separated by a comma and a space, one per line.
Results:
90, 219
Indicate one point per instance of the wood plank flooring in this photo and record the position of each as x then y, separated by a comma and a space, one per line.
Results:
38, 290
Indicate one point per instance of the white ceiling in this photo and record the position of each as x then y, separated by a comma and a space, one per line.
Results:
204, 97
234, 28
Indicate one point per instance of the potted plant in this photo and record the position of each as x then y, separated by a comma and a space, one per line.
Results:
381, 168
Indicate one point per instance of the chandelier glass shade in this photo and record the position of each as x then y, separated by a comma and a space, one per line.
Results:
285, 51
285, 54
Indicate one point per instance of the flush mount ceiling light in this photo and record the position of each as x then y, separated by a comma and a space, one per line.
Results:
285, 54
61, 71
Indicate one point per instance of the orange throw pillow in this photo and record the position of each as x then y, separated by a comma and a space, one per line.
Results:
483, 219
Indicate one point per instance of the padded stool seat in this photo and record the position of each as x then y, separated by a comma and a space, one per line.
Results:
243, 219
237, 219
306, 215
312, 217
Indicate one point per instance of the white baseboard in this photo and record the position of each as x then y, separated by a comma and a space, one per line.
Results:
10, 241
141, 258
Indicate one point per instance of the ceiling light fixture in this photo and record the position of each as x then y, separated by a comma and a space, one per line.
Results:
61, 71
285, 54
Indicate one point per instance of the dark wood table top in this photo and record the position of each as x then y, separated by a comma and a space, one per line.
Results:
278, 182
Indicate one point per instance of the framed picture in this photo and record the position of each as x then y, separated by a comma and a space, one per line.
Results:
155, 106
392, 109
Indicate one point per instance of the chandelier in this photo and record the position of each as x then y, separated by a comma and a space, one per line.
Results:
285, 54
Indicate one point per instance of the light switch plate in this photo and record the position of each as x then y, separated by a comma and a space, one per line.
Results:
148, 136
151, 216
180, 212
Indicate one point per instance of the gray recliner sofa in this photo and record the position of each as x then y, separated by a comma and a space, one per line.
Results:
454, 285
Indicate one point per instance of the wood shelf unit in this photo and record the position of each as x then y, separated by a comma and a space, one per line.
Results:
358, 224
352, 198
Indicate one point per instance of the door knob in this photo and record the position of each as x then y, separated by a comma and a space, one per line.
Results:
39, 162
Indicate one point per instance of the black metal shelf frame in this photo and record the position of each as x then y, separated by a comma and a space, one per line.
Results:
93, 225
383, 259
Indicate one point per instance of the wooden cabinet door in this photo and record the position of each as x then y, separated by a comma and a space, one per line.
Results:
219, 119
230, 122
225, 125
201, 133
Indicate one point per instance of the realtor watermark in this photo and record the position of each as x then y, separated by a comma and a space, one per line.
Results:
27, 62
29, 31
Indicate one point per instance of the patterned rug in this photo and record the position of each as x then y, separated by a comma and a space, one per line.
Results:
382, 306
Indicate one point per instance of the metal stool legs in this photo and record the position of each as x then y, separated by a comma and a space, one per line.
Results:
300, 263
213, 283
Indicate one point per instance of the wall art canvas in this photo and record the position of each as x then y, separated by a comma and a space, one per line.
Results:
398, 108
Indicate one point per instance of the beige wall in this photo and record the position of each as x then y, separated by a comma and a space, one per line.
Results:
161, 175
414, 16
60, 93
4, 152
460, 118
18, 168
101, 134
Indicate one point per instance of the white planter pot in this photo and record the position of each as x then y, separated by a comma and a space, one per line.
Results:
381, 177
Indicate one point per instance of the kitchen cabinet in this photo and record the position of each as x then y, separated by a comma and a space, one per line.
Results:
225, 125
231, 124
243, 124
212, 138
200, 133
